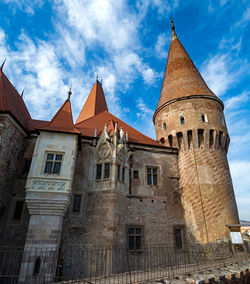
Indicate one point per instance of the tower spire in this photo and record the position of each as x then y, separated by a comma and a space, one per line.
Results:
3, 64
69, 93
173, 35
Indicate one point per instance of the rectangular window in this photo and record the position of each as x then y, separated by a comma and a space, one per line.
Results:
178, 238
136, 174
98, 171
106, 170
77, 203
53, 163
135, 237
152, 176
118, 172
123, 174
18, 210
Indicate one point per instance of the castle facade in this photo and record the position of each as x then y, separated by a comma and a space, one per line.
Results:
100, 182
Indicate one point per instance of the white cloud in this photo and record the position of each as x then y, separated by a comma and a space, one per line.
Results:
241, 180
236, 101
220, 72
25, 5
160, 46
144, 110
149, 76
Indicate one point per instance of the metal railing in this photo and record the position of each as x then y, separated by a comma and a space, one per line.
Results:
107, 264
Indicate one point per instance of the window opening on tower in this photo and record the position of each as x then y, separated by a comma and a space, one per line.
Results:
182, 120
204, 118
170, 140
164, 126
200, 138
189, 135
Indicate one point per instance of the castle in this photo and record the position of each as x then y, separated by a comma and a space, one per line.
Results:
100, 182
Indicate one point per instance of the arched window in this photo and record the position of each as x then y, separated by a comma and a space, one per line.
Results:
164, 127
204, 118
182, 120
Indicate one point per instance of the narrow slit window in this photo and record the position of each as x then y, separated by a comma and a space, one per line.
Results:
164, 126
123, 174
77, 203
37, 266
170, 140
18, 210
178, 238
118, 172
106, 170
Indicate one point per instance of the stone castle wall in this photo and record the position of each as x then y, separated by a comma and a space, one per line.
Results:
206, 185
12, 181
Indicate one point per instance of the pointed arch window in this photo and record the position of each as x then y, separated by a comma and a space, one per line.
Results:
182, 120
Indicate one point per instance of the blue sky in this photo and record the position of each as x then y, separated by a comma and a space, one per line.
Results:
50, 45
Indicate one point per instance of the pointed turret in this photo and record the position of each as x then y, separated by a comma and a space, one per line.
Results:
181, 78
95, 103
62, 121
11, 102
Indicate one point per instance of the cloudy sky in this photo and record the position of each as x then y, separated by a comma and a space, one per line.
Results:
50, 45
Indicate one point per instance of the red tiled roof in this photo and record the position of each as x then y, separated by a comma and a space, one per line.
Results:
87, 128
181, 78
11, 101
62, 121
94, 104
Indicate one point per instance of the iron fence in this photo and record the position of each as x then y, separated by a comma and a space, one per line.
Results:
106, 265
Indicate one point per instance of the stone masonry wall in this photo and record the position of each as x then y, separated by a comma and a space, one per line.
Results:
13, 144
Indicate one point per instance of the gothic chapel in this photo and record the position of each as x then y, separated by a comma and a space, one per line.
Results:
100, 182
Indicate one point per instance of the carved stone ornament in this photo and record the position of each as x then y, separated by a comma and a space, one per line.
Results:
48, 185
121, 154
104, 151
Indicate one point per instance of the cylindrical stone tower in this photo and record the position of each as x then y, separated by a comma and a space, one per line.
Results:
190, 116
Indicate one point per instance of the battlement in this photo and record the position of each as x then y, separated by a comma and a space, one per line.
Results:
210, 139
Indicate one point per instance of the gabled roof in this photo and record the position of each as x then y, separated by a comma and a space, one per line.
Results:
95, 103
181, 78
12, 102
62, 121
87, 128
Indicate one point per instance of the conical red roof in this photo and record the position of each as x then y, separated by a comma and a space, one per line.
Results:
12, 102
181, 78
62, 121
95, 103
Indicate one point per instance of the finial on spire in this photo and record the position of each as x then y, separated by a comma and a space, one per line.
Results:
22, 93
173, 36
97, 77
69, 92
2, 64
